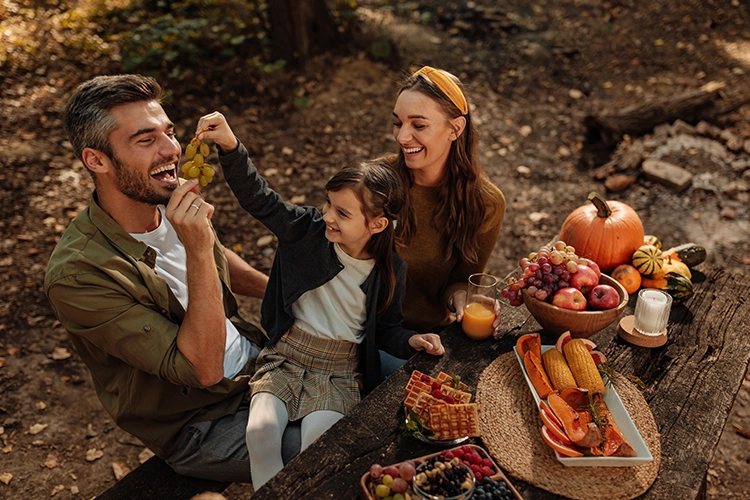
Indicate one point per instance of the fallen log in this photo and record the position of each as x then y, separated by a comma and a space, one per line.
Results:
706, 103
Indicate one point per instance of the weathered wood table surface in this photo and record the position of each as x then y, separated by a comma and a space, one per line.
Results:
691, 383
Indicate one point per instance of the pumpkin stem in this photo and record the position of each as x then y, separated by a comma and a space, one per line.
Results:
602, 208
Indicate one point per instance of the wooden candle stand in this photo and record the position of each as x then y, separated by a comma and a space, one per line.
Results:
626, 329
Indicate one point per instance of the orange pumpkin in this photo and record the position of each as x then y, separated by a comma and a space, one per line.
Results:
607, 232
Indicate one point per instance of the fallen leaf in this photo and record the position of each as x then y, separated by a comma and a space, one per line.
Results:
94, 454
51, 461
7, 449
120, 470
5, 477
90, 432
60, 353
265, 240
37, 428
2, 362
57, 489
145, 455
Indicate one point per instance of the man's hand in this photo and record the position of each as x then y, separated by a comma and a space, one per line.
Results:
190, 215
429, 342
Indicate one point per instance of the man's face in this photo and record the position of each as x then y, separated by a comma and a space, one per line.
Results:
145, 152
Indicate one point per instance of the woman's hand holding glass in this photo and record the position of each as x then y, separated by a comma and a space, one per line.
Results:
459, 302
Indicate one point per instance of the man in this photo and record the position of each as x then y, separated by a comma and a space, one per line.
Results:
142, 284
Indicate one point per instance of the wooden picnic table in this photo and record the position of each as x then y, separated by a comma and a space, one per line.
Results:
691, 383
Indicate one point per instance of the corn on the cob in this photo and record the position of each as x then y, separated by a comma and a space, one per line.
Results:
557, 370
583, 367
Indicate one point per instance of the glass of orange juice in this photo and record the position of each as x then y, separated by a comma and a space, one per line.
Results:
479, 312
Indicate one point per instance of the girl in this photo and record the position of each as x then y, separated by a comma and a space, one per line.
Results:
453, 212
333, 298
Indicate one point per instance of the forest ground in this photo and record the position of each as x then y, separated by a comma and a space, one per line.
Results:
534, 71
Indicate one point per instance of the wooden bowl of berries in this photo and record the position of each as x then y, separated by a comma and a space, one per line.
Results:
582, 312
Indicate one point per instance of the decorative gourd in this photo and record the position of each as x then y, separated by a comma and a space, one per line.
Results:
675, 284
689, 253
673, 266
650, 239
607, 232
648, 260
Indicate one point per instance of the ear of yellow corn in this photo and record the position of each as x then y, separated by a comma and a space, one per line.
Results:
557, 370
583, 367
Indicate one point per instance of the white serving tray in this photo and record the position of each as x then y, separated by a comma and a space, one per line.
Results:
621, 418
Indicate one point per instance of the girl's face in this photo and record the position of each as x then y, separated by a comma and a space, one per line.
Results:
346, 223
424, 133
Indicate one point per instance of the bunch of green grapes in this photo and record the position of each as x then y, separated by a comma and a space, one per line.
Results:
196, 152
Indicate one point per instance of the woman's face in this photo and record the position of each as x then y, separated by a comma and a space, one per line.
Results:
424, 133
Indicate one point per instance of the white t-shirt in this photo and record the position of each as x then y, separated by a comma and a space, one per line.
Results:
336, 310
171, 266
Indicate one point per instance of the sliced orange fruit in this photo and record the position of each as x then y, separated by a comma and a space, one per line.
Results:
529, 342
598, 356
557, 445
550, 421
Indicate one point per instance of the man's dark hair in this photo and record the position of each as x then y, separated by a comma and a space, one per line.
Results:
87, 118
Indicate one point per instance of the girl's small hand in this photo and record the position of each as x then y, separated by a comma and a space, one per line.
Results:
429, 342
214, 126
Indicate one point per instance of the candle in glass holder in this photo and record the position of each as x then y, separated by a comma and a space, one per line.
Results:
652, 311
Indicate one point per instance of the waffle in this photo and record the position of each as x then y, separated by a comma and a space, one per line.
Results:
444, 377
422, 407
461, 397
414, 387
454, 421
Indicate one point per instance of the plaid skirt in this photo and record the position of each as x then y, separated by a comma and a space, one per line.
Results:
309, 373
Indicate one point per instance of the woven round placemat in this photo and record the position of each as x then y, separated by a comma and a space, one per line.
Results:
510, 426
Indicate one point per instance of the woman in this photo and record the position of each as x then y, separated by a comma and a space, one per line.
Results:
453, 212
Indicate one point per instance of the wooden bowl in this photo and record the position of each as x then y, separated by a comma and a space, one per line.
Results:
582, 324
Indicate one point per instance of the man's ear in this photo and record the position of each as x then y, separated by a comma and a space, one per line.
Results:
457, 127
378, 224
96, 161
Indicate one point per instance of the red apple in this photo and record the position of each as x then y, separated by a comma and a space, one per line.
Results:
593, 265
569, 298
603, 297
584, 279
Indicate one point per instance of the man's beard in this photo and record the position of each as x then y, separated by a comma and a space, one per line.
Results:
136, 187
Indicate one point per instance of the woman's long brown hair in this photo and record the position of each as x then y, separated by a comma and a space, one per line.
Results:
381, 193
463, 188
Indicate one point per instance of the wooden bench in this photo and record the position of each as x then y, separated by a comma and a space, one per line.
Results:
154, 479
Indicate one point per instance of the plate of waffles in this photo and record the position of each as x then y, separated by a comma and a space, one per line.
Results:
439, 410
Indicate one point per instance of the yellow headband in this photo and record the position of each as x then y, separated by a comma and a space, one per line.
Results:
447, 86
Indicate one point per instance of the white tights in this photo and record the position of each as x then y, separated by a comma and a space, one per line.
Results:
265, 425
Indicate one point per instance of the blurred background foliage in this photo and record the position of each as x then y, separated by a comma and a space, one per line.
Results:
189, 44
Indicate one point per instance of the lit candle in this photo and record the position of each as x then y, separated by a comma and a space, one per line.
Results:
652, 311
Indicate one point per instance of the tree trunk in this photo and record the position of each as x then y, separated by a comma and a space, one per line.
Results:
299, 26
